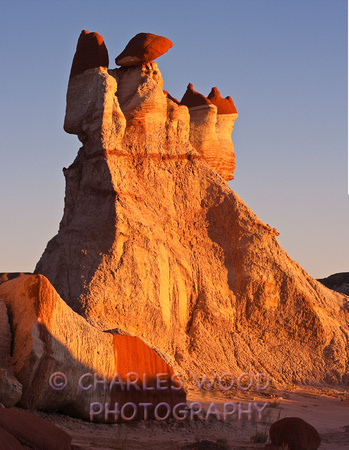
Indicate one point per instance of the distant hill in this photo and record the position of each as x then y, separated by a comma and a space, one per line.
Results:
337, 282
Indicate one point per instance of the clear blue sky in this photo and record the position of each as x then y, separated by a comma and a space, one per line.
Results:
283, 62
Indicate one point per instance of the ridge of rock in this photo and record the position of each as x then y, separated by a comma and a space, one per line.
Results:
143, 48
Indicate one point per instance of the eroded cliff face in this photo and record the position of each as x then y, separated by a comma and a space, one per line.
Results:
155, 243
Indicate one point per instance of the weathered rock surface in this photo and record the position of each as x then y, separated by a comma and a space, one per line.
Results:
93, 111
226, 116
5, 337
91, 53
10, 389
155, 243
295, 433
203, 118
32, 431
141, 99
49, 338
142, 49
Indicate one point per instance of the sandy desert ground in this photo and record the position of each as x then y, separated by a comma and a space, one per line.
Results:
326, 408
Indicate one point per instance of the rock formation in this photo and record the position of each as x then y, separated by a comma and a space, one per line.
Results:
294, 434
20, 430
226, 116
142, 49
91, 52
153, 241
49, 338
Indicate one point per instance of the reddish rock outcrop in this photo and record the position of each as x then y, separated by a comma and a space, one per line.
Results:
142, 49
224, 105
5, 337
295, 433
91, 53
9, 442
193, 99
50, 338
32, 431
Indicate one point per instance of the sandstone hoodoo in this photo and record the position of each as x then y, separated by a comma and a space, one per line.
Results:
142, 49
226, 116
154, 243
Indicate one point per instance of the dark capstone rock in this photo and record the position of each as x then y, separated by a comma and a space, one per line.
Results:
224, 105
90, 52
143, 48
192, 98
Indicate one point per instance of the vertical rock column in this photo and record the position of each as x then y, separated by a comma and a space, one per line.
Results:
226, 116
203, 117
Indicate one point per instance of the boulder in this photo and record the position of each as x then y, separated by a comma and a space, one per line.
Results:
91, 53
143, 48
10, 389
8, 442
55, 347
295, 433
32, 431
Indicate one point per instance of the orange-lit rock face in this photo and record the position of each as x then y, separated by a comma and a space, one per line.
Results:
226, 116
91, 52
203, 118
141, 97
142, 49
49, 337
154, 242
